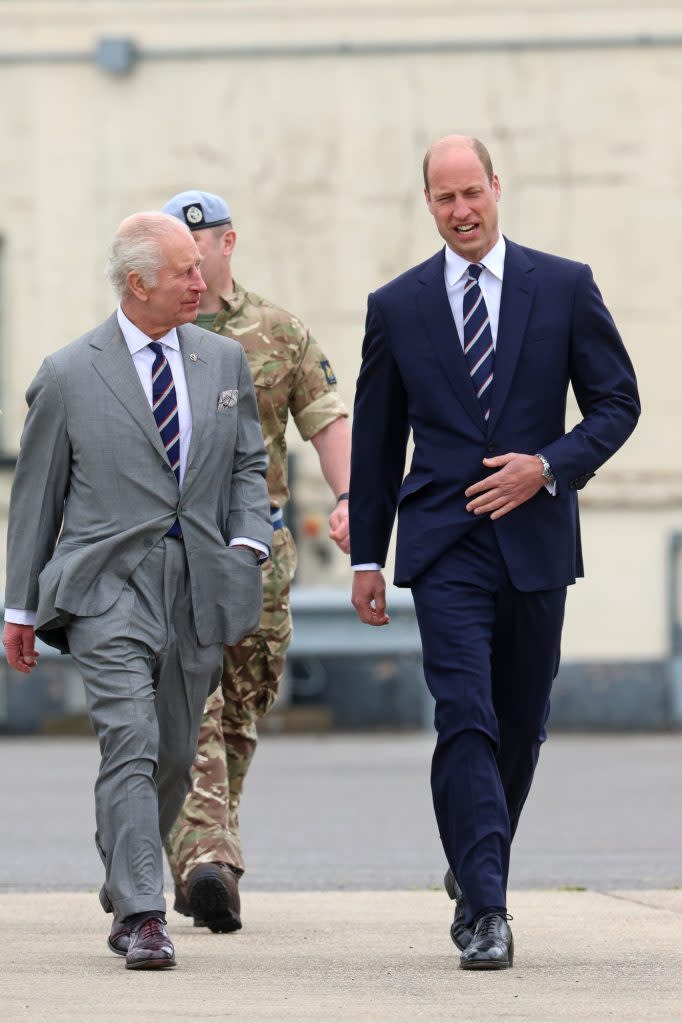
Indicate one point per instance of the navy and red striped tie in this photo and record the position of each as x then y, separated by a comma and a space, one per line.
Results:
165, 409
478, 339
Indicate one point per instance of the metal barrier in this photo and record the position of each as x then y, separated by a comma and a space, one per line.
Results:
366, 677
46, 700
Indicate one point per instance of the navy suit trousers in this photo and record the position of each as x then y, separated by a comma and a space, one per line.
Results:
491, 653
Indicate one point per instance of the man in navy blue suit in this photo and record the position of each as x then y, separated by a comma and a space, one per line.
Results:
474, 351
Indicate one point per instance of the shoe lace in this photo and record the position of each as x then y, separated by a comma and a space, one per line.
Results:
486, 925
151, 928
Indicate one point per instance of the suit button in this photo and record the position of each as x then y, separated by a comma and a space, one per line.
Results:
148, 542
490, 447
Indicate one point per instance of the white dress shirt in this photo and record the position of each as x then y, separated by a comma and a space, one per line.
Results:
490, 283
143, 360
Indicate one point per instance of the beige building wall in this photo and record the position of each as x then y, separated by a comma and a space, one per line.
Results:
312, 119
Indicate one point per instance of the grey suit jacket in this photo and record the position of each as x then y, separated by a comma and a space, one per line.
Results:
93, 489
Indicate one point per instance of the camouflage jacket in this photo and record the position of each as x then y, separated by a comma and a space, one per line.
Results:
290, 371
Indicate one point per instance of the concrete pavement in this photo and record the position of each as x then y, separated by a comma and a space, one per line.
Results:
354, 812
359, 957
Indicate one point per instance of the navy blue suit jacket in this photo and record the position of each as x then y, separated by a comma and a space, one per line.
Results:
554, 331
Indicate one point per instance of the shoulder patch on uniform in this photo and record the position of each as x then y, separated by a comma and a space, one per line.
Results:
328, 371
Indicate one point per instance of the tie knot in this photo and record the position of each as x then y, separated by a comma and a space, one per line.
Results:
475, 270
156, 348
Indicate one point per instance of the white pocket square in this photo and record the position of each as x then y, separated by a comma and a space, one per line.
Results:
227, 399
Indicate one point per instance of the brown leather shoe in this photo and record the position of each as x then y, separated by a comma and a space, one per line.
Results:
104, 900
213, 897
119, 937
150, 947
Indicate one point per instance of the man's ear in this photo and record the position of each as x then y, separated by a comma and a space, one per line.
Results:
137, 287
229, 242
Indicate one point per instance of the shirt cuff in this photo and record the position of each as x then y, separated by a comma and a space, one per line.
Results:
17, 617
255, 545
371, 566
551, 488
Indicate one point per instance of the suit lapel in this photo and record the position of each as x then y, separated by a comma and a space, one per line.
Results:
199, 386
518, 291
435, 312
114, 364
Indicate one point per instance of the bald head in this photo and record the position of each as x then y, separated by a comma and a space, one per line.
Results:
452, 142
138, 247
462, 193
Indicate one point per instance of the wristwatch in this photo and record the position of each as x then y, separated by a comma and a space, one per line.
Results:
547, 473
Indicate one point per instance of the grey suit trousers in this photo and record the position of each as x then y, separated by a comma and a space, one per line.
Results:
146, 680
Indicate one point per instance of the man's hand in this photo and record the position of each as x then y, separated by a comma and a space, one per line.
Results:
369, 597
20, 646
339, 530
518, 478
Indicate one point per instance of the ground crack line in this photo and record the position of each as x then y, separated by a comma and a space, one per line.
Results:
640, 902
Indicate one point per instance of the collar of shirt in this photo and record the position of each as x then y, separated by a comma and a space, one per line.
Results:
234, 303
456, 266
136, 340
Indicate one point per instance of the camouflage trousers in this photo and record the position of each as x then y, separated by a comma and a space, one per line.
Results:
207, 830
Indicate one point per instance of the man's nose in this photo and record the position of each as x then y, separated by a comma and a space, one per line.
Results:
460, 208
199, 284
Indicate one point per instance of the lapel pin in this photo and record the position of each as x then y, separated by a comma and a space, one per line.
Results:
193, 356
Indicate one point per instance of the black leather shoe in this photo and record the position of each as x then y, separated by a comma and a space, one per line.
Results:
150, 947
213, 897
492, 946
119, 938
182, 906
460, 933
451, 886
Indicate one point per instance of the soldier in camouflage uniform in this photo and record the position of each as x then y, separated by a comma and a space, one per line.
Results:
291, 375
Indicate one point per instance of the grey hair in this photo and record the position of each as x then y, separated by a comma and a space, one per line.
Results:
137, 248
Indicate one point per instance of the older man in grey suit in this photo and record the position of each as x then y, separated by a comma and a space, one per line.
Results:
138, 517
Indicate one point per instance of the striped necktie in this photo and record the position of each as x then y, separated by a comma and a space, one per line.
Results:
165, 409
478, 339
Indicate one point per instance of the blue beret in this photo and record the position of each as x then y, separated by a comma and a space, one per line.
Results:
198, 210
